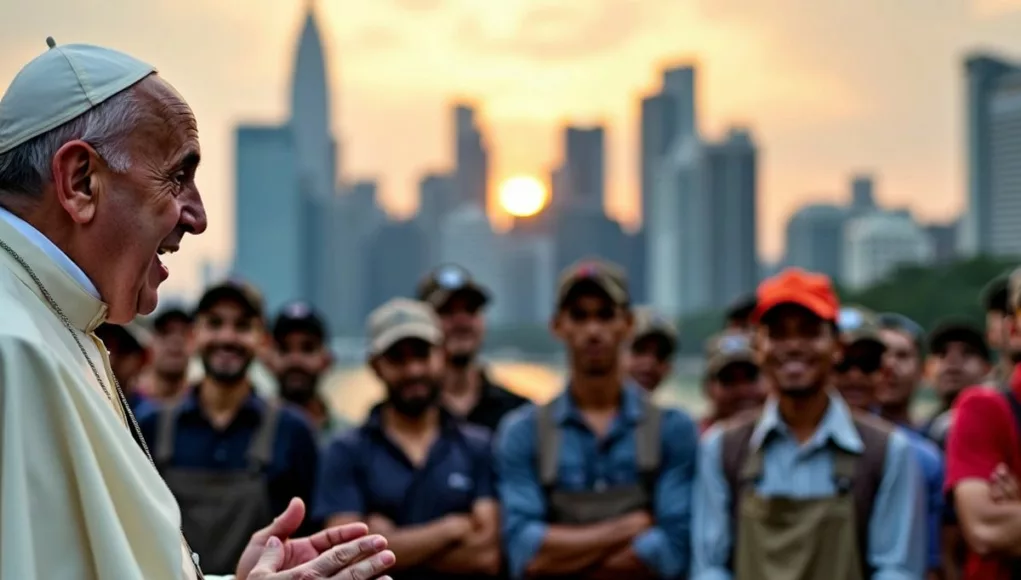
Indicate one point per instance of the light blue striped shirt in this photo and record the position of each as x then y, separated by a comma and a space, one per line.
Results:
897, 534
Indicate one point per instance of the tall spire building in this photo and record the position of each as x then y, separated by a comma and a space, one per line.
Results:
310, 112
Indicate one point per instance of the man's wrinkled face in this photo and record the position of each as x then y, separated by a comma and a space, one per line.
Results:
796, 350
859, 374
959, 366
227, 336
904, 368
412, 371
144, 212
737, 387
301, 359
593, 329
463, 325
649, 361
173, 344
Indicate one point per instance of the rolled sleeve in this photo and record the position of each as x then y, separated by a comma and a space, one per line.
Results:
521, 496
338, 490
897, 530
665, 549
711, 534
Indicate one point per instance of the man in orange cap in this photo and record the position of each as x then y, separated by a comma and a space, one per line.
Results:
804, 488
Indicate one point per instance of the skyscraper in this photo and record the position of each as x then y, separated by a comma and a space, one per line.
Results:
585, 165
471, 174
992, 107
310, 112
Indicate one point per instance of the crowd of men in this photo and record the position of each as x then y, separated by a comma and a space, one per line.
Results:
807, 465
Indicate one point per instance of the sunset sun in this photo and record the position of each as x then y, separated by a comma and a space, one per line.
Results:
522, 196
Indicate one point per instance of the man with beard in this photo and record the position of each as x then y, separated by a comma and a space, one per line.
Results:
651, 353
733, 382
860, 376
805, 489
468, 391
301, 358
961, 360
419, 475
231, 458
596, 483
172, 346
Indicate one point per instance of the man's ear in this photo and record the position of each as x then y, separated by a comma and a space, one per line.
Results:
77, 171
554, 324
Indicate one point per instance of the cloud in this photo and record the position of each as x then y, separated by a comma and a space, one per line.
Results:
553, 33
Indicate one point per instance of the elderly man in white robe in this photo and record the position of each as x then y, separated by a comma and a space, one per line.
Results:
97, 179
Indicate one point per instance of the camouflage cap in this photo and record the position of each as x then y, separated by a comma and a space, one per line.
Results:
1014, 290
400, 319
728, 348
858, 324
605, 276
448, 280
650, 323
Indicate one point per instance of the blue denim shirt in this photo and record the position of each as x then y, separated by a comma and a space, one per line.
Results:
585, 463
930, 461
896, 546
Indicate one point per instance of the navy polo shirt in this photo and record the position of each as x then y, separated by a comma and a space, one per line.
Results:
364, 472
200, 445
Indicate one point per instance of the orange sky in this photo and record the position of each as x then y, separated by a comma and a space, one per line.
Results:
827, 87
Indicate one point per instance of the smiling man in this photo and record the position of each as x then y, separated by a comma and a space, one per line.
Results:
805, 489
97, 177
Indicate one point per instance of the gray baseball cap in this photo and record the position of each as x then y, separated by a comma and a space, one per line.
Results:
400, 319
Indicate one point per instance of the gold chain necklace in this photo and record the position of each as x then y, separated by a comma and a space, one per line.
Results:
121, 400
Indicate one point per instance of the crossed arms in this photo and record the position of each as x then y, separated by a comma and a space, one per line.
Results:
639, 545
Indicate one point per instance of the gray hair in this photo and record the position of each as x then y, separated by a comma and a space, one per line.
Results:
28, 167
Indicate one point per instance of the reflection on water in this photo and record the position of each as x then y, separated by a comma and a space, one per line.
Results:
353, 390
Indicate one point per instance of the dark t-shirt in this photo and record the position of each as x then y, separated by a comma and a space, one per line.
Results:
496, 401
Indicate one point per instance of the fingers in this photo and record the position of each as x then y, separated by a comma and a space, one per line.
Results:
360, 559
284, 525
337, 535
272, 558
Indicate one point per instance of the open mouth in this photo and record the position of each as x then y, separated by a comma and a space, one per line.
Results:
165, 249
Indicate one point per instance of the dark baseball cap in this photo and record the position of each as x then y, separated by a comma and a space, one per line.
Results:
957, 331
299, 317
600, 274
134, 336
235, 290
742, 308
994, 294
448, 280
170, 313
649, 323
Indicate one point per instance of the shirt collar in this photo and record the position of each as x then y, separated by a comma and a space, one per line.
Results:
50, 249
252, 405
375, 421
631, 408
837, 425
65, 282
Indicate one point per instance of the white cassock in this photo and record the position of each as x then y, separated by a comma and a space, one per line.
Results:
79, 500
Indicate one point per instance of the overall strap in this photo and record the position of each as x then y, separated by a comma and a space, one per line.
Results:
648, 443
260, 449
547, 444
845, 464
166, 431
735, 444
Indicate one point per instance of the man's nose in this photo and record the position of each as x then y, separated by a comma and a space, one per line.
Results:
193, 215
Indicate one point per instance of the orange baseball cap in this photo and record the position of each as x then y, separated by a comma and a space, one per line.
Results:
796, 286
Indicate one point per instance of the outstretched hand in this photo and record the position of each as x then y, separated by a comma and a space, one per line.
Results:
341, 553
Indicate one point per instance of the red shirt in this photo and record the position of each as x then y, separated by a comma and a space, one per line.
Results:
983, 434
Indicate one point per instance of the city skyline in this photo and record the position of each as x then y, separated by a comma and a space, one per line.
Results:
816, 125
